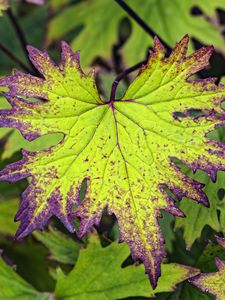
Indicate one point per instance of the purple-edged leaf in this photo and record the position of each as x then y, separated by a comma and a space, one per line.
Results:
3, 5
124, 148
213, 283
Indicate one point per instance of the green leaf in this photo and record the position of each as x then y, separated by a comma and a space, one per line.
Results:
13, 140
198, 216
124, 148
206, 260
8, 209
170, 19
12, 286
99, 276
62, 248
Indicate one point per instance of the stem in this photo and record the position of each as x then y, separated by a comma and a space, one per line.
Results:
147, 29
140, 22
14, 58
120, 77
21, 37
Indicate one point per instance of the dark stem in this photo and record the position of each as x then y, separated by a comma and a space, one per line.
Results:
121, 76
140, 22
14, 58
147, 29
21, 37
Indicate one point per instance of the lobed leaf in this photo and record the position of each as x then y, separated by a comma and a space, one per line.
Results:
99, 276
124, 148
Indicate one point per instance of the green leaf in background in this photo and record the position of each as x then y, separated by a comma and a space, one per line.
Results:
206, 260
62, 248
101, 27
170, 19
31, 23
192, 293
14, 141
12, 286
8, 208
30, 260
198, 216
98, 275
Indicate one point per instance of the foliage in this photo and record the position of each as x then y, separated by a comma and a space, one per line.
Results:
160, 105
170, 20
213, 283
108, 129
107, 261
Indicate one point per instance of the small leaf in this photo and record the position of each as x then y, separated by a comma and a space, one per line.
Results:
213, 283
62, 248
123, 148
98, 276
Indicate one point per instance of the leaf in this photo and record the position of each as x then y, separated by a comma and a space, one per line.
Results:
171, 20
7, 212
191, 293
213, 283
198, 216
98, 276
12, 286
62, 248
124, 148
168, 18
206, 260
13, 140
93, 27
31, 263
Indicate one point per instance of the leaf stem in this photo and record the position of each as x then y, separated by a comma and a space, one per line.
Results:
21, 37
14, 58
121, 76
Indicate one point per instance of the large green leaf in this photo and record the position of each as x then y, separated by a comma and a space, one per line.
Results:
124, 148
170, 19
98, 276
12, 286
